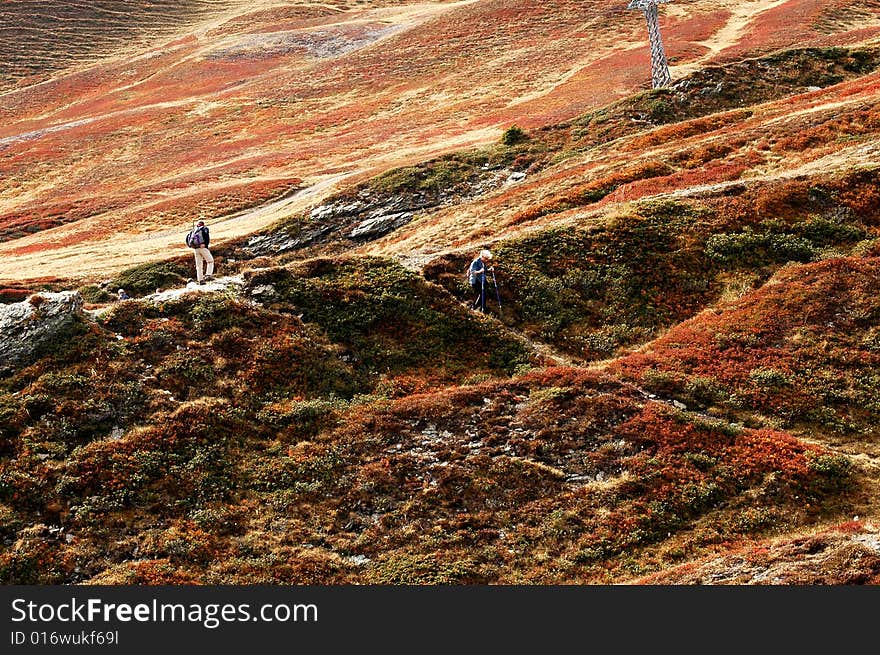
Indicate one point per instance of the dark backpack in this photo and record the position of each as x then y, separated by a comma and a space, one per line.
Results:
195, 238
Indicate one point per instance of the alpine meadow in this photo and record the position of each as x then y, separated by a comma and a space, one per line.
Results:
671, 371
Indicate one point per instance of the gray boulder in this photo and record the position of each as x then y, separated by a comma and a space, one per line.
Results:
380, 225
26, 326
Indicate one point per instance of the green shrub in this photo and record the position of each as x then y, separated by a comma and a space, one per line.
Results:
871, 340
769, 378
751, 249
416, 569
213, 313
513, 135
12, 420
754, 519
704, 391
146, 278
94, 294
835, 470
823, 231
663, 382
304, 417
63, 382
319, 473
187, 372
391, 322
434, 177
701, 461
658, 106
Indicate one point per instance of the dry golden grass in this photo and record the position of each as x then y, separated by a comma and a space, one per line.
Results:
218, 117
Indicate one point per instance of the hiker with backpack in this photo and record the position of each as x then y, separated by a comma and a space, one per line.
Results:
198, 239
477, 278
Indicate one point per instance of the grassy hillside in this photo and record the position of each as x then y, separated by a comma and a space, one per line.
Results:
677, 385
249, 112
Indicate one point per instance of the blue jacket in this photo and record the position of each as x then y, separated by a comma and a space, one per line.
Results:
477, 272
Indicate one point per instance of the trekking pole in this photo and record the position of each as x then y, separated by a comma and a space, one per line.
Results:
497, 295
483, 292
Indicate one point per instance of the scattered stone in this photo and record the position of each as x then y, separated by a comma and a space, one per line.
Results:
264, 291
871, 541
282, 241
376, 227
230, 283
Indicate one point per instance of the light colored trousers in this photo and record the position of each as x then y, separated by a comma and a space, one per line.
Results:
203, 256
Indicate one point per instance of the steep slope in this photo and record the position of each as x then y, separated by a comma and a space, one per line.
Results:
702, 259
252, 482
815, 123
250, 107
42, 39
605, 228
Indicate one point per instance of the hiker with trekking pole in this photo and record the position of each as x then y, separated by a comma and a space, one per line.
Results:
477, 279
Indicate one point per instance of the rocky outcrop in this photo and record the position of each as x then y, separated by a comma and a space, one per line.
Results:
362, 219
26, 326
375, 227
370, 214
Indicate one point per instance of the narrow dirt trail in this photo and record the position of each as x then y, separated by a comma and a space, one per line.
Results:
741, 16
106, 258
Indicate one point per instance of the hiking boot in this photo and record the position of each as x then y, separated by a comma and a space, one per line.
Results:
201, 282
208, 278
